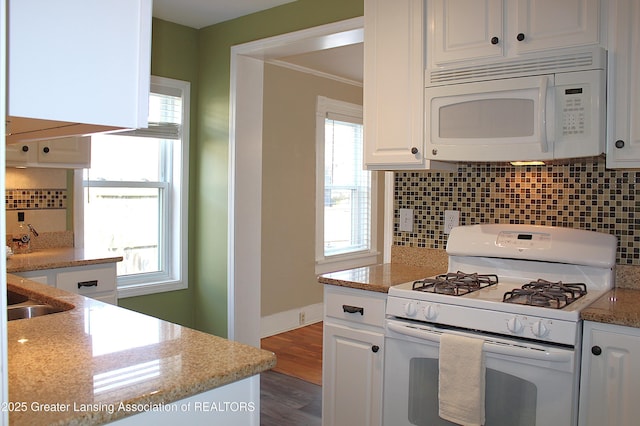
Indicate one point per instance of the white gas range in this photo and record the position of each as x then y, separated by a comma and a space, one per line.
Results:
520, 288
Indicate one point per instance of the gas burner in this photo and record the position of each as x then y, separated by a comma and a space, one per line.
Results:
455, 283
546, 294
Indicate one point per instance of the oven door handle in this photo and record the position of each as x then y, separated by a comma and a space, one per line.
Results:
490, 346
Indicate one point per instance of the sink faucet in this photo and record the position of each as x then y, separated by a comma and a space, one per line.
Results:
32, 229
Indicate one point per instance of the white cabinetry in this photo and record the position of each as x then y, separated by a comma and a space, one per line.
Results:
610, 379
465, 29
69, 153
95, 281
394, 85
544, 25
353, 358
80, 61
208, 408
468, 30
623, 135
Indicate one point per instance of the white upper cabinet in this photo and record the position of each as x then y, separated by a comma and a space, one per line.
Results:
552, 24
80, 61
394, 85
466, 29
623, 125
68, 153
472, 30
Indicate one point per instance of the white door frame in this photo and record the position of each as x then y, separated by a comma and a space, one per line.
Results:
245, 163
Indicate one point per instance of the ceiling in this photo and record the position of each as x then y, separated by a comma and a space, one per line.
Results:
202, 13
343, 62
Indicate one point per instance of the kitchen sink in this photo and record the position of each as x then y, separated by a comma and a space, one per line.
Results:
15, 298
30, 311
20, 306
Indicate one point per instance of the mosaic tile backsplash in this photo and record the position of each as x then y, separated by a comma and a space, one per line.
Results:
35, 199
582, 195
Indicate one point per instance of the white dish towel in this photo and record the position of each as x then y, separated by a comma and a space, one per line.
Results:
461, 379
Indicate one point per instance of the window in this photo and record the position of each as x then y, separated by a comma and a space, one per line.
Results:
345, 202
134, 196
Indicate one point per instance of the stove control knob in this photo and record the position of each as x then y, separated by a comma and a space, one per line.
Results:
410, 309
514, 325
430, 312
539, 329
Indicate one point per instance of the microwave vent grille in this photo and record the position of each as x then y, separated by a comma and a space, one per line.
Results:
514, 68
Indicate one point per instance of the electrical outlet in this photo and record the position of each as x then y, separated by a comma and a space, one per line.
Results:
301, 318
406, 220
451, 220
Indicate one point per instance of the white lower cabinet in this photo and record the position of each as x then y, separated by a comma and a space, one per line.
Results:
95, 281
353, 357
235, 404
610, 381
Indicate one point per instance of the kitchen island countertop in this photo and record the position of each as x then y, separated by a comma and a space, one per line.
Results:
379, 277
620, 306
72, 367
52, 258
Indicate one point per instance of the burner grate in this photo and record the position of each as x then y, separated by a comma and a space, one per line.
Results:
455, 283
546, 294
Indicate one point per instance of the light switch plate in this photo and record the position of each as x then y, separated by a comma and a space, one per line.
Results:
406, 220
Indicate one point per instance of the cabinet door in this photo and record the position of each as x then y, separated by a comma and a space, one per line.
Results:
393, 84
21, 154
68, 153
623, 134
80, 61
464, 30
551, 24
352, 376
611, 376
72, 151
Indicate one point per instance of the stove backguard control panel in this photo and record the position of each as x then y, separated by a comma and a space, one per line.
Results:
526, 240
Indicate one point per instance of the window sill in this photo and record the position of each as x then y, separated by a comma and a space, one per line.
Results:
143, 289
339, 263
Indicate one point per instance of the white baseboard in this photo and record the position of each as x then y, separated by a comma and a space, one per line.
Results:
290, 320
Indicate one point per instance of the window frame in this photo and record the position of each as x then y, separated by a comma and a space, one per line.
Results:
324, 264
175, 226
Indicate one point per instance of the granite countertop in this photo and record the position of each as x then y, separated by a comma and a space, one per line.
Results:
379, 277
52, 258
620, 306
96, 354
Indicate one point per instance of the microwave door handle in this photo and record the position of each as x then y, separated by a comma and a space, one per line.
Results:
542, 113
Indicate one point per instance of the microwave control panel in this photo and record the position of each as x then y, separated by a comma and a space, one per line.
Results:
575, 105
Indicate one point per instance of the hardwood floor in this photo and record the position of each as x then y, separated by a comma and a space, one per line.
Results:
291, 393
299, 352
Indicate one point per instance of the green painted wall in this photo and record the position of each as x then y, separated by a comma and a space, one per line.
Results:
203, 58
175, 55
210, 202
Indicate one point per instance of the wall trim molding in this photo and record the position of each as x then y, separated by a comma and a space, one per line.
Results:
290, 320
313, 72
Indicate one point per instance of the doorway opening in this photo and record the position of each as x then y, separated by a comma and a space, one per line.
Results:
245, 171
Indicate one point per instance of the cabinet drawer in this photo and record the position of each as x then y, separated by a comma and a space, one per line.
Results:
358, 306
88, 282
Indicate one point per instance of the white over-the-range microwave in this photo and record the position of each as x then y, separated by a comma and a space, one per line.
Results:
543, 107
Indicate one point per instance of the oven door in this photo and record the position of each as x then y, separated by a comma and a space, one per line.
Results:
527, 384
